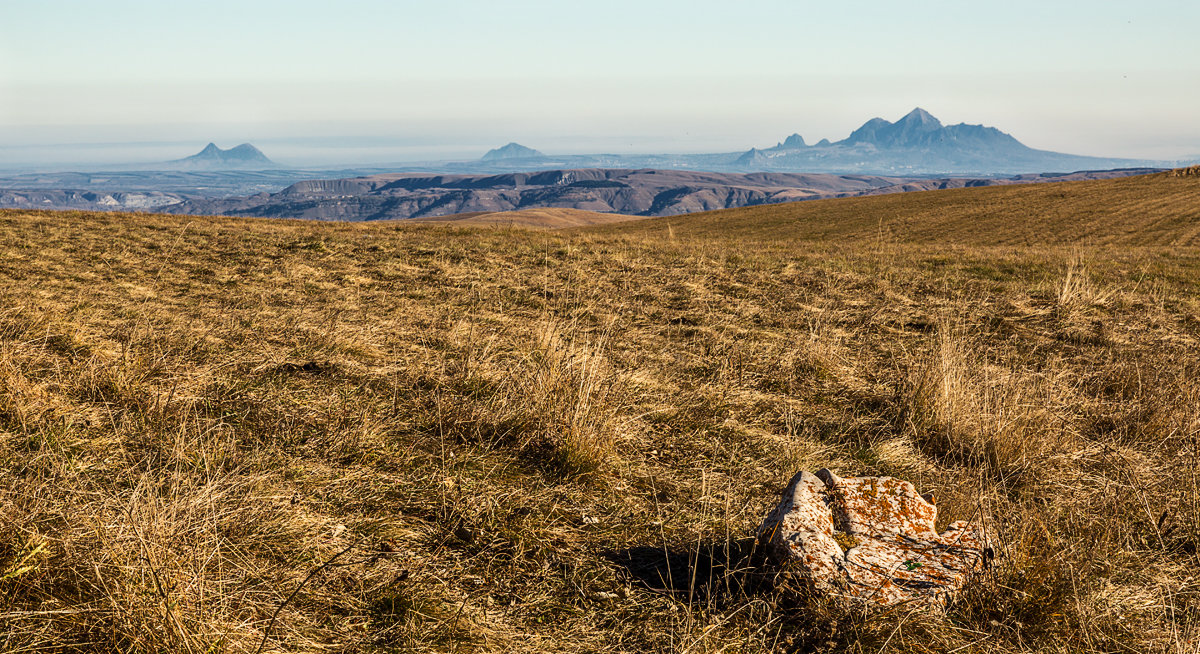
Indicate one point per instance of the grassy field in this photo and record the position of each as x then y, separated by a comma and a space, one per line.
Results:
535, 218
226, 435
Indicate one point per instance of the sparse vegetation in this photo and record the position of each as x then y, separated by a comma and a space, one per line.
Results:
243, 435
964, 409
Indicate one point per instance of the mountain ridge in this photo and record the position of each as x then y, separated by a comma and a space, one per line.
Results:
918, 143
624, 191
918, 128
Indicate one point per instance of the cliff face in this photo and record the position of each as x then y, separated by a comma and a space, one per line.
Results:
632, 192
636, 192
86, 200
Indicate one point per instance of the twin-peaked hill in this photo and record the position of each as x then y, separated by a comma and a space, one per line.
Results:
242, 157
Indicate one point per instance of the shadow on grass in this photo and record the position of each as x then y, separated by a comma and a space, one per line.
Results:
729, 575
715, 571
1015, 606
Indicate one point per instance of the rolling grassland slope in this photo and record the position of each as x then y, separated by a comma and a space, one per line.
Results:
230, 435
1158, 209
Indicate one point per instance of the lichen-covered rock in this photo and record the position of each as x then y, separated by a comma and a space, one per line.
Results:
871, 538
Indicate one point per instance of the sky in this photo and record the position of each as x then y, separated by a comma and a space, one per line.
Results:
372, 80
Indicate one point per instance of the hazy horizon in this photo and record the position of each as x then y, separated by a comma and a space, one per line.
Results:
374, 82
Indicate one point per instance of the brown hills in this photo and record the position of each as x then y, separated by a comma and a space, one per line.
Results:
1156, 209
631, 192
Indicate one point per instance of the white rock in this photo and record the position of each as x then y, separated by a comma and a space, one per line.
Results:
871, 538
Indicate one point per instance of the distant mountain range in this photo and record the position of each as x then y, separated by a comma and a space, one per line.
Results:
917, 152
242, 157
917, 144
920, 143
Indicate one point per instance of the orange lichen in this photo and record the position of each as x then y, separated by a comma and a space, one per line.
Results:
871, 538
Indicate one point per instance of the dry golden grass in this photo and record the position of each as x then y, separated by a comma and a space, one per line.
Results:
1161, 209
246, 435
963, 409
536, 218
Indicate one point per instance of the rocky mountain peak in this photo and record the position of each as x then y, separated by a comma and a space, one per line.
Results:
794, 141
920, 118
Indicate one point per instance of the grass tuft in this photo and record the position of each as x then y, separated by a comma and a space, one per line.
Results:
967, 411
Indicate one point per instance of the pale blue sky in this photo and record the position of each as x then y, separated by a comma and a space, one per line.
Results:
421, 79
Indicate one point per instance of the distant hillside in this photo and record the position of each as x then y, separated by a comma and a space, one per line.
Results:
1157, 209
511, 151
244, 156
632, 192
